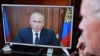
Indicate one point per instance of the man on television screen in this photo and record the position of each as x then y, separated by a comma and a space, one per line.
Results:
37, 34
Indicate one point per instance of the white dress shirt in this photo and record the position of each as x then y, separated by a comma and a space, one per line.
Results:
34, 35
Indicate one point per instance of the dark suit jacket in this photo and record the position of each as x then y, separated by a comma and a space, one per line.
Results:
47, 37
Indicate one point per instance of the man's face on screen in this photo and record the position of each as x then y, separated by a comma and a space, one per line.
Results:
90, 26
37, 22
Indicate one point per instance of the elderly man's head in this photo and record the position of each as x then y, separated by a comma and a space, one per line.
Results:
37, 21
90, 25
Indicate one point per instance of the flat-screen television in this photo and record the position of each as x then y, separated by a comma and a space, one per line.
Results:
53, 23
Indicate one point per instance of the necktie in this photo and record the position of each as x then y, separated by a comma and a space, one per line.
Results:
36, 39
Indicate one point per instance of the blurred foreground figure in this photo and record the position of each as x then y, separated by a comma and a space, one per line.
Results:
89, 41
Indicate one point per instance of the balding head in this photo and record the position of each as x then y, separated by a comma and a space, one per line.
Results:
37, 15
37, 21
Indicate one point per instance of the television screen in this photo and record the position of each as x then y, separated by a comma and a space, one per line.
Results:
38, 25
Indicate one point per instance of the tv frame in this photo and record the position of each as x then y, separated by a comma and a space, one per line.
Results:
11, 43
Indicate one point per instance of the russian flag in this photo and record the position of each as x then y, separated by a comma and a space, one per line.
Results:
6, 27
66, 30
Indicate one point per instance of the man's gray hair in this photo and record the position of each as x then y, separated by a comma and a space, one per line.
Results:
95, 5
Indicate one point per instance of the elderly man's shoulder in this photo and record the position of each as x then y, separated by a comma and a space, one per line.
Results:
25, 29
47, 30
43, 30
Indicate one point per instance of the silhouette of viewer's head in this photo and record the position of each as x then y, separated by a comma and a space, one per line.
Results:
37, 21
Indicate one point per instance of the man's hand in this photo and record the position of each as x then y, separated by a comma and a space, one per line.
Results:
81, 46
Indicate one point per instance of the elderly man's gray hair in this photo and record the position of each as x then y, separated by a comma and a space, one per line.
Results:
95, 5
